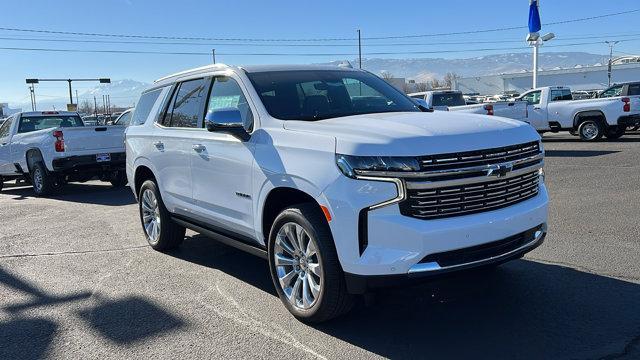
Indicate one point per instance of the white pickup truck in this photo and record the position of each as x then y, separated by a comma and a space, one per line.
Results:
553, 109
452, 100
51, 148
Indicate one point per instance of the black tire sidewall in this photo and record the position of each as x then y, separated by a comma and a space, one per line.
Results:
310, 218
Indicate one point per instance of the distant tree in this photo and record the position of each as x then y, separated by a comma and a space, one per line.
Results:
387, 75
85, 107
450, 78
435, 83
423, 86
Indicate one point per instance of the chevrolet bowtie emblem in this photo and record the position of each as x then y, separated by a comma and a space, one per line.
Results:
500, 170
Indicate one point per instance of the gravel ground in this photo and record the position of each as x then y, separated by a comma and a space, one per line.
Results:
77, 280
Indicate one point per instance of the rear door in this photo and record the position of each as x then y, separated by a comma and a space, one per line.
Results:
221, 165
173, 139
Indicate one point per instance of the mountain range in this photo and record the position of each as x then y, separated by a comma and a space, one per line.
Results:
126, 92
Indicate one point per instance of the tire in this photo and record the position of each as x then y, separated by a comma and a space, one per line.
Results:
42, 181
295, 266
160, 231
119, 179
590, 130
614, 132
1, 183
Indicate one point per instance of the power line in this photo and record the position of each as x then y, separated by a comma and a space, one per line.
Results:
135, 36
466, 43
115, 51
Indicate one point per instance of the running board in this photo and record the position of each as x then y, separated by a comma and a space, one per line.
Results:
238, 244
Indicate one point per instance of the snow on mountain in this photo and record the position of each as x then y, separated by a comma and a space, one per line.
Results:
428, 68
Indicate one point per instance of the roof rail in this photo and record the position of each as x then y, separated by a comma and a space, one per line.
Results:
186, 72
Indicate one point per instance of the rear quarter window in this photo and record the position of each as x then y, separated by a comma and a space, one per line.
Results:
144, 107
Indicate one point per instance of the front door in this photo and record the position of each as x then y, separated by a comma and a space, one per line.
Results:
222, 165
536, 114
6, 166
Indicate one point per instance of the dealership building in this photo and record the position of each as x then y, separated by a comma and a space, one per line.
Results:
594, 77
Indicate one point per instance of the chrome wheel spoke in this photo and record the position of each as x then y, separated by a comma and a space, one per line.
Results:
315, 269
150, 215
291, 236
285, 280
311, 249
307, 299
283, 260
313, 286
295, 292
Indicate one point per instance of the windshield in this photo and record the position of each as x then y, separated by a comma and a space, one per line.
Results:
448, 99
323, 94
35, 123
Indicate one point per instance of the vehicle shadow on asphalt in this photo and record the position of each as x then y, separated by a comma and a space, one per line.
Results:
575, 139
577, 153
201, 250
79, 193
123, 321
523, 309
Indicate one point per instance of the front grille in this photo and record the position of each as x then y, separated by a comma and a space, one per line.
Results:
482, 252
469, 198
461, 160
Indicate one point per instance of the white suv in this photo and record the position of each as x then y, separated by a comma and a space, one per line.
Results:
341, 181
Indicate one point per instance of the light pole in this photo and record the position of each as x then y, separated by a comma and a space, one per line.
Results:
535, 41
611, 45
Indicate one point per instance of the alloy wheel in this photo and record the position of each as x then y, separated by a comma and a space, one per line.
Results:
590, 131
150, 215
298, 266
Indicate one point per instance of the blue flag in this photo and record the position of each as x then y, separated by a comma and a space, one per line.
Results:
534, 17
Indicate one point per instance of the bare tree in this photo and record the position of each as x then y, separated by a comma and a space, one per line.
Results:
387, 75
423, 86
86, 107
449, 79
435, 83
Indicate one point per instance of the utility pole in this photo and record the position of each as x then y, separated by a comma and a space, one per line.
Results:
213, 53
610, 68
359, 50
70, 93
95, 107
33, 97
77, 101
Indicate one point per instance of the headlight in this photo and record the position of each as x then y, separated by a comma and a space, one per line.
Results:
354, 165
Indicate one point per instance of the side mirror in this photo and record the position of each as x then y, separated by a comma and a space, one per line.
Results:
228, 121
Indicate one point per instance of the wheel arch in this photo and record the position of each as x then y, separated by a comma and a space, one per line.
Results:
581, 116
141, 174
32, 156
276, 200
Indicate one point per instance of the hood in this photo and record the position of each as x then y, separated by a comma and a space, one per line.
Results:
414, 134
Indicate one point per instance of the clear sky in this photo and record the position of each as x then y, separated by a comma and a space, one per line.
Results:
282, 19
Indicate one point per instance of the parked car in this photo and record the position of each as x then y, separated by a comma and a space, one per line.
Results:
334, 176
51, 148
553, 109
451, 100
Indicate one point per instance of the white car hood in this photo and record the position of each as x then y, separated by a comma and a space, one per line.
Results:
412, 133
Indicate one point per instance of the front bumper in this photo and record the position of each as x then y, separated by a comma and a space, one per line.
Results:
396, 245
497, 252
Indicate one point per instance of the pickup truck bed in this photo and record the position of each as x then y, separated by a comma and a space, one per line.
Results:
49, 152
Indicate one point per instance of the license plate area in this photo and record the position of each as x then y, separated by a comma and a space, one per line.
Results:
103, 158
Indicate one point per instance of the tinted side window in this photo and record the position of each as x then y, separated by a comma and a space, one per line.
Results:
532, 98
124, 119
561, 95
144, 106
226, 93
634, 89
614, 91
188, 104
4, 129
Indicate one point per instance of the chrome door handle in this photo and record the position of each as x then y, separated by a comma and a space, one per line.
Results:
159, 145
199, 147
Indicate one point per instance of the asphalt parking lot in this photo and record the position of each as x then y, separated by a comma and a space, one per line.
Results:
77, 280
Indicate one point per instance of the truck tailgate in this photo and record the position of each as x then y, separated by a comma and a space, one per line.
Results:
94, 138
